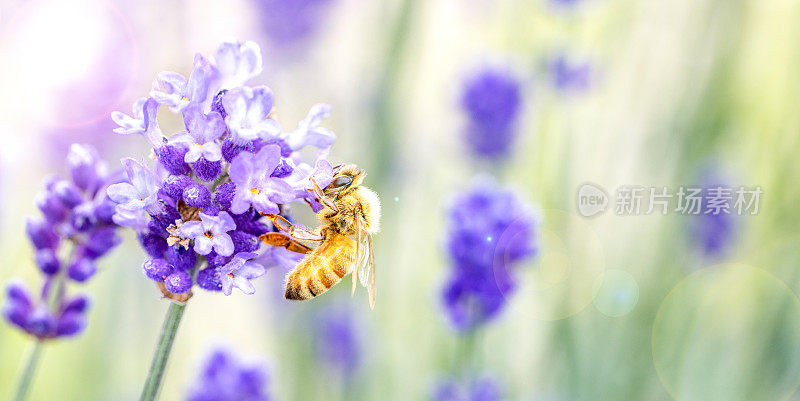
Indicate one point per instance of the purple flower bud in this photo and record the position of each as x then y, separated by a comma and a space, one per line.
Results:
100, 241
17, 306
216, 260
41, 323
249, 223
82, 269
283, 170
83, 217
69, 195
244, 242
208, 279
216, 104
224, 195
286, 150
83, 163
211, 210
47, 261
157, 269
18, 294
154, 245
206, 170
51, 207
178, 282
182, 258
104, 211
197, 195
16, 314
171, 157
41, 233
231, 149
175, 184
70, 324
79, 304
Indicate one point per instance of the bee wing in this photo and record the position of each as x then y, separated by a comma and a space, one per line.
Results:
366, 268
371, 273
359, 248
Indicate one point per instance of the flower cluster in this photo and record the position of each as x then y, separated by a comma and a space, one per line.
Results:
223, 378
338, 340
491, 100
75, 230
490, 230
202, 202
478, 389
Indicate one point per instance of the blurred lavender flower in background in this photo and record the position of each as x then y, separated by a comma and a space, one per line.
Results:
478, 389
290, 23
714, 233
490, 230
565, 4
569, 75
201, 203
224, 378
338, 340
491, 99
75, 230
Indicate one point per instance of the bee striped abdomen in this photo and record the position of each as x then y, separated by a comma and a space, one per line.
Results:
322, 268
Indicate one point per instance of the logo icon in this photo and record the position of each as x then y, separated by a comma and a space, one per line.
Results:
592, 200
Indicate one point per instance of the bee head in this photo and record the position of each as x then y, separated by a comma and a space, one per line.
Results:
345, 177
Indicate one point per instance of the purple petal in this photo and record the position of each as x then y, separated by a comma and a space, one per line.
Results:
244, 285
227, 284
241, 200
251, 270
238, 62
203, 245
200, 79
241, 169
124, 193
192, 229
226, 222
223, 244
267, 159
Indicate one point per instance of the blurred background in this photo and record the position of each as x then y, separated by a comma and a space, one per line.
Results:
611, 92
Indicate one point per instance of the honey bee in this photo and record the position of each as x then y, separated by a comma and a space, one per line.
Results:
349, 209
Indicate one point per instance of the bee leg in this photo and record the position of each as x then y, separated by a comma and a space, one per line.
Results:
284, 241
294, 232
321, 197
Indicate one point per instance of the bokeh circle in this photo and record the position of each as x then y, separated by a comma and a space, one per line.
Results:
728, 332
616, 293
559, 282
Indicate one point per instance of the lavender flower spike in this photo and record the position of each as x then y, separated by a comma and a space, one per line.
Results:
142, 191
309, 132
238, 272
210, 233
224, 378
77, 215
254, 185
248, 114
490, 231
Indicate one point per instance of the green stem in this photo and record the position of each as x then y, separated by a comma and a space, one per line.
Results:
153, 384
385, 124
27, 373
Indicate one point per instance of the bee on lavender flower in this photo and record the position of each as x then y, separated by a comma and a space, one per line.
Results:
349, 209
